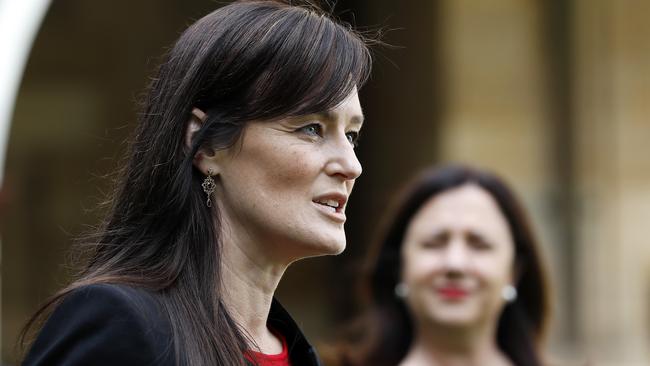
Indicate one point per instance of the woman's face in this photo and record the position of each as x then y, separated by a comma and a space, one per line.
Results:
283, 188
457, 256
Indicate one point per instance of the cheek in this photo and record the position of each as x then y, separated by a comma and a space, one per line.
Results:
495, 269
297, 167
281, 168
419, 267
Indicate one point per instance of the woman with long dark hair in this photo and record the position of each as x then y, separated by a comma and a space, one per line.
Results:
242, 163
456, 278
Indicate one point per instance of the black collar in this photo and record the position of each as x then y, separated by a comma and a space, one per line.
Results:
301, 352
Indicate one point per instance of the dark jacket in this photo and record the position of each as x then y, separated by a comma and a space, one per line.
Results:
107, 324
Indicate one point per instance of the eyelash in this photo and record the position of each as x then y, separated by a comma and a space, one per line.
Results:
317, 132
315, 129
353, 137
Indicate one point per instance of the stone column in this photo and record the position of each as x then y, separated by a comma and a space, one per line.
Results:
612, 95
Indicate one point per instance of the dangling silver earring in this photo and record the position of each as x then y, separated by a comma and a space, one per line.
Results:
401, 290
509, 293
208, 187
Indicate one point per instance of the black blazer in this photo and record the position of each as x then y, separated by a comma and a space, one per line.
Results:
108, 324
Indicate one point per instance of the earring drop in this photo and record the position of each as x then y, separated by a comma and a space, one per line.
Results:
401, 290
208, 187
509, 293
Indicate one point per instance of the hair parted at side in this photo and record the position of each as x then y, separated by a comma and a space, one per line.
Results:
249, 60
386, 331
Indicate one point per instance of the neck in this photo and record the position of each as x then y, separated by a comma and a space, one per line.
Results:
248, 281
455, 346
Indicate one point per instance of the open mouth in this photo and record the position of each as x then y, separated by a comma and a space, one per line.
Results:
330, 204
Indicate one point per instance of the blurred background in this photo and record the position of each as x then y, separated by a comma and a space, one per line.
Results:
553, 95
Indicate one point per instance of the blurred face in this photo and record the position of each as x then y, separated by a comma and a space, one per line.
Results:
285, 186
457, 256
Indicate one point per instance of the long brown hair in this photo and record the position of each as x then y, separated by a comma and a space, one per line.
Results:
250, 60
385, 332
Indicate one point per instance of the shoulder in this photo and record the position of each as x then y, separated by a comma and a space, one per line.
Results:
104, 324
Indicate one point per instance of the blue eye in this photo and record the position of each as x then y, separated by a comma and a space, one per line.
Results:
313, 129
353, 137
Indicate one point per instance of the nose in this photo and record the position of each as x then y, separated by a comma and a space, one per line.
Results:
456, 257
343, 160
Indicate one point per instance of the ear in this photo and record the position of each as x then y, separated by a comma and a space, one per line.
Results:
203, 160
197, 117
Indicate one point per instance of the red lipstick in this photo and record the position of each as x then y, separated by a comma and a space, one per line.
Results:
452, 293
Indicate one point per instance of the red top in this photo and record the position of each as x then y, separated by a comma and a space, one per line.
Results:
262, 359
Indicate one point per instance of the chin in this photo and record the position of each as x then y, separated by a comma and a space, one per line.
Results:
333, 246
338, 249
455, 319
337, 244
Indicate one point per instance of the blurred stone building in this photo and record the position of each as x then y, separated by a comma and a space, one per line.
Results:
553, 95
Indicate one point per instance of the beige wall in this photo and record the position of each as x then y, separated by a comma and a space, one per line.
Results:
499, 112
613, 113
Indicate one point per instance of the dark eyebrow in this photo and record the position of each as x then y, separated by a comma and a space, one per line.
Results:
480, 236
438, 232
356, 120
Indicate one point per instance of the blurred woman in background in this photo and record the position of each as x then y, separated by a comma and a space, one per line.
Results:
242, 163
456, 279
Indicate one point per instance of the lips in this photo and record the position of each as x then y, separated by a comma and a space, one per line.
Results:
333, 201
332, 204
452, 293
